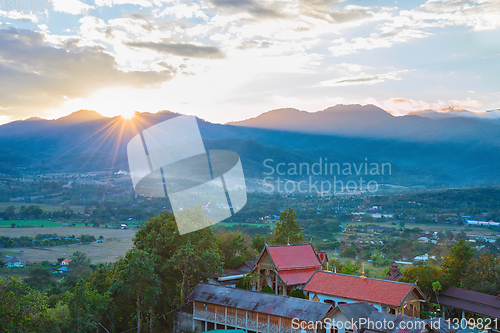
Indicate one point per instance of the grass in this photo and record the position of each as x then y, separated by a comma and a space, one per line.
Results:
231, 224
53, 223
471, 231
37, 223
109, 251
44, 207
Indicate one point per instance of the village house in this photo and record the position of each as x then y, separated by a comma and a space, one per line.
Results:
16, 262
219, 307
287, 267
386, 296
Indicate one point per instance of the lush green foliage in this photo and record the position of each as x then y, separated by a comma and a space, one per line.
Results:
287, 230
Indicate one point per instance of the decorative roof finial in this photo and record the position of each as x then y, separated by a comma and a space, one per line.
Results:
288, 243
363, 272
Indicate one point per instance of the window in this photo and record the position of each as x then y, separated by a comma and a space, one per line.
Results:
334, 330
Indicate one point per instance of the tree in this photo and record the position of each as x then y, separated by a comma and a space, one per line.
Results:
40, 277
258, 243
19, 305
483, 274
34, 211
425, 276
234, 247
136, 278
86, 307
10, 211
268, 290
287, 231
297, 293
181, 261
454, 265
343, 267
79, 259
436, 287
349, 251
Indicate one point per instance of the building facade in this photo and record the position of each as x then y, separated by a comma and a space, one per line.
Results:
386, 296
219, 307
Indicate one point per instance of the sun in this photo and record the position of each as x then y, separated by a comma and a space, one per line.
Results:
127, 114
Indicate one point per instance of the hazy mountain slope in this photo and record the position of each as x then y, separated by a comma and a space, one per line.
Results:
372, 122
86, 141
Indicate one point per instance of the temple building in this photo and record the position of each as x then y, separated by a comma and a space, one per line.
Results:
386, 296
287, 267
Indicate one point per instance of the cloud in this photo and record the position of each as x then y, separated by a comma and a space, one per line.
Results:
110, 3
37, 75
20, 16
180, 49
364, 79
259, 10
74, 7
326, 10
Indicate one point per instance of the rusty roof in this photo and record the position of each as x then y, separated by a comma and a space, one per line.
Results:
283, 306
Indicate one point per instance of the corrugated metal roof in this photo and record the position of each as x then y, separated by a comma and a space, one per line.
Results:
354, 311
471, 301
284, 306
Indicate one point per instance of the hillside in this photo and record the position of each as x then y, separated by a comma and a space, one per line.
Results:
422, 151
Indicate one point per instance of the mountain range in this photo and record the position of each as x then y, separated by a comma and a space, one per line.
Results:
423, 150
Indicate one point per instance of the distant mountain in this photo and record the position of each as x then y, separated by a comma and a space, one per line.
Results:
370, 121
81, 116
455, 111
422, 151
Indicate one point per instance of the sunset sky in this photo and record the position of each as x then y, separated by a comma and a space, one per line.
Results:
226, 60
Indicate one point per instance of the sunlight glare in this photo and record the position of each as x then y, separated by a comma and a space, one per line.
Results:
127, 114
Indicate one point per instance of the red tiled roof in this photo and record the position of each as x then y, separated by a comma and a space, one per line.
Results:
322, 256
294, 256
296, 276
353, 287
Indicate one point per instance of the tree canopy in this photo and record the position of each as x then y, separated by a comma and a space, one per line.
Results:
287, 229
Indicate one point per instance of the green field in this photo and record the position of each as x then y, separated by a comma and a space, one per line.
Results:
116, 243
54, 224
44, 207
38, 223
232, 224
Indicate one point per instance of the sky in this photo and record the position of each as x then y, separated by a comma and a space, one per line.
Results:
229, 60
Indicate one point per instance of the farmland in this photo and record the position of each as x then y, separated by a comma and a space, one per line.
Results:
116, 243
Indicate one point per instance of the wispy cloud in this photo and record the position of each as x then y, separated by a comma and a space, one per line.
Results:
364, 79
180, 49
74, 7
